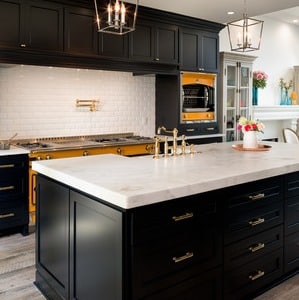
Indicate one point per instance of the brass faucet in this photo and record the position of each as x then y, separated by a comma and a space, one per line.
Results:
175, 137
157, 147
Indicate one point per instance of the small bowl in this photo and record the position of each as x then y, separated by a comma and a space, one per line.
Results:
4, 146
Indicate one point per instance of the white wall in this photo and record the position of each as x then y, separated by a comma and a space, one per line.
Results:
41, 102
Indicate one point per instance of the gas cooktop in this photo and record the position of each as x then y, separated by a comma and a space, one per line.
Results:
60, 143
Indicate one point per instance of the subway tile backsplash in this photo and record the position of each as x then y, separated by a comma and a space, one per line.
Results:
41, 102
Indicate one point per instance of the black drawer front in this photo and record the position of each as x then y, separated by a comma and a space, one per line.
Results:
292, 184
209, 128
252, 248
13, 164
13, 213
245, 281
208, 286
292, 215
12, 186
254, 194
292, 252
252, 222
170, 261
156, 222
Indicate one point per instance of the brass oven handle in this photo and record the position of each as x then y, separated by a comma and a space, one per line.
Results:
256, 197
256, 247
182, 217
7, 215
7, 166
184, 257
257, 275
6, 188
256, 222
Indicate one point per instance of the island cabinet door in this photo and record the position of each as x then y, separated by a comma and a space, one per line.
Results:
292, 223
52, 238
95, 250
176, 247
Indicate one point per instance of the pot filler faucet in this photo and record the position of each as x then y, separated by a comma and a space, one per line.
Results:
175, 148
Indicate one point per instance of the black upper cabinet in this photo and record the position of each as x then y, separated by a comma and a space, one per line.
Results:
80, 33
199, 51
31, 24
64, 33
152, 42
12, 15
112, 45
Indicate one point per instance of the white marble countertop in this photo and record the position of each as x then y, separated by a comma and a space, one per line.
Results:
136, 181
13, 151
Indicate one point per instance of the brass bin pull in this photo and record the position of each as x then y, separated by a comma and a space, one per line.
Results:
7, 215
6, 188
7, 166
182, 217
184, 257
257, 247
257, 275
257, 221
256, 197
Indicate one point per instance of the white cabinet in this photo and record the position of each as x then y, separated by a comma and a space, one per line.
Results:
235, 92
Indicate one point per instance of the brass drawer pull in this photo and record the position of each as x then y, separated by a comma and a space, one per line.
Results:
7, 215
6, 188
182, 217
257, 275
257, 221
184, 257
257, 247
256, 197
7, 166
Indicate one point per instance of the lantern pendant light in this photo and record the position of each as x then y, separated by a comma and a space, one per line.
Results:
245, 34
116, 17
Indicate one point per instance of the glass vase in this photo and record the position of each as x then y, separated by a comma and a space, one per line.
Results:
250, 140
255, 96
282, 97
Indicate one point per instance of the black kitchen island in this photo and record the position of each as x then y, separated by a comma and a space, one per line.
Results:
219, 224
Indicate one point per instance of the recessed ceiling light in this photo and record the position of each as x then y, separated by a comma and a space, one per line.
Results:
230, 12
295, 21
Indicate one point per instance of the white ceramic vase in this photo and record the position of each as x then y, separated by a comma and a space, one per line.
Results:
250, 140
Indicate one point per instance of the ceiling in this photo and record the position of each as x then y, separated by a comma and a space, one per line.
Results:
216, 10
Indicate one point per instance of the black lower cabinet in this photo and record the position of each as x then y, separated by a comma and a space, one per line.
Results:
79, 245
52, 246
174, 245
246, 280
231, 244
291, 245
14, 212
95, 250
205, 286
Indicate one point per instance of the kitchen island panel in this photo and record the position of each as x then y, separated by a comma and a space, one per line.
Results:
219, 186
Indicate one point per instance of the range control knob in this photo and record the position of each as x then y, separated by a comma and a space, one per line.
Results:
48, 156
85, 153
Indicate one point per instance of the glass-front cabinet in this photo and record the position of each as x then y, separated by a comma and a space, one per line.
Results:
235, 90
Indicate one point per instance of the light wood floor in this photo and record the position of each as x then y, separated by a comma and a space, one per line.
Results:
17, 273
